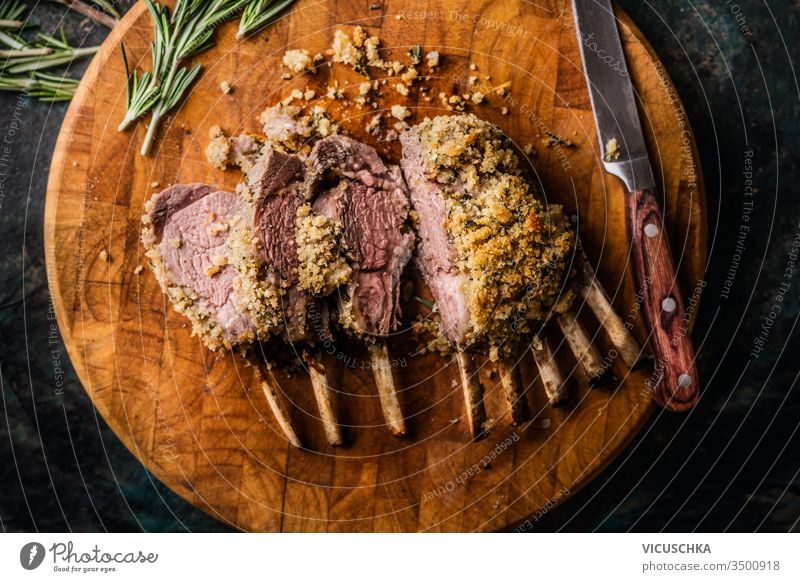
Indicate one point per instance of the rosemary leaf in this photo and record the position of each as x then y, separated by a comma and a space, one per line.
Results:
43, 86
429, 304
10, 13
260, 13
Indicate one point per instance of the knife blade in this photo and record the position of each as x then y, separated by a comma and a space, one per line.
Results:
624, 153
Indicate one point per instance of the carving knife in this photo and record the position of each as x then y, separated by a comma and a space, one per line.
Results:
674, 383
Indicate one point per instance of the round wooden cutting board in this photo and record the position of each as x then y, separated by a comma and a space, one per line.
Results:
199, 422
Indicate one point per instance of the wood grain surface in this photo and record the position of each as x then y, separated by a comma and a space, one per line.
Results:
198, 421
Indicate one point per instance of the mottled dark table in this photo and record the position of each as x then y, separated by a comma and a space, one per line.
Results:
732, 464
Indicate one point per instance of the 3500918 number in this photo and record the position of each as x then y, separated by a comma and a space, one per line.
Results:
756, 565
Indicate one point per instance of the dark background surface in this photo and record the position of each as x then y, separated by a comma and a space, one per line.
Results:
731, 464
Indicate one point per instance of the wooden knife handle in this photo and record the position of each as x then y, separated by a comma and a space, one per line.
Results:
675, 384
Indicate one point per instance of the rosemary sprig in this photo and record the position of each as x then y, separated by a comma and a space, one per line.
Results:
19, 56
260, 13
187, 31
46, 53
43, 86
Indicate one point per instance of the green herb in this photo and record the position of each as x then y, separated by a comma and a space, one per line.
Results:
260, 13
43, 86
415, 52
20, 56
46, 53
429, 304
186, 32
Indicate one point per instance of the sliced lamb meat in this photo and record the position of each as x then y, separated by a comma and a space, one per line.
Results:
185, 233
268, 270
492, 255
435, 257
351, 185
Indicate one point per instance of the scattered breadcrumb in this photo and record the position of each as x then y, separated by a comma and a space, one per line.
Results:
218, 148
154, 184
400, 112
410, 75
225, 87
298, 61
288, 129
374, 124
334, 92
612, 150
104, 256
138, 269
432, 58
175, 243
360, 52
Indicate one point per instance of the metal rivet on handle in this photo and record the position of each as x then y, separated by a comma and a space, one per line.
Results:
684, 380
668, 305
651, 230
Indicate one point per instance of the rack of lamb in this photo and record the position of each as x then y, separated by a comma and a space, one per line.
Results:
496, 260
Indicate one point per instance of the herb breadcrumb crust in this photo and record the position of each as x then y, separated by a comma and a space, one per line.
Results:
513, 250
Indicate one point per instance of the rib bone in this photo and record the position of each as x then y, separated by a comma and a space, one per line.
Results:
585, 352
384, 380
473, 393
621, 338
325, 397
509, 377
277, 408
549, 372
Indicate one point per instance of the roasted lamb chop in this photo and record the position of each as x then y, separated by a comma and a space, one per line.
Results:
185, 234
350, 185
280, 285
494, 258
